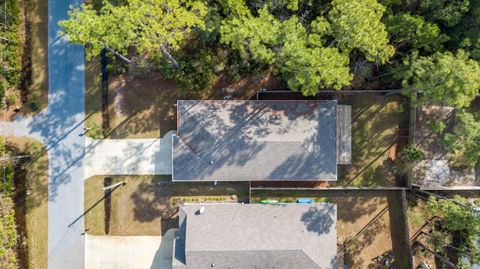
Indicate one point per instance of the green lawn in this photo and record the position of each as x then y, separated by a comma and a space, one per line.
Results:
376, 120
93, 98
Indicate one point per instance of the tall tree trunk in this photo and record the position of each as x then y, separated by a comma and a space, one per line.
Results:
169, 57
118, 55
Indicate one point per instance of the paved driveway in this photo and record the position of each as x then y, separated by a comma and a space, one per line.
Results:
129, 252
129, 156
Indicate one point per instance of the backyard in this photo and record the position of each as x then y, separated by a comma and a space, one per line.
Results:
147, 205
369, 222
379, 130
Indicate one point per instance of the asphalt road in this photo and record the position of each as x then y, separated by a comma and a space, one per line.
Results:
61, 126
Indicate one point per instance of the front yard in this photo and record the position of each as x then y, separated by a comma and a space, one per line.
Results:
143, 105
368, 222
147, 205
31, 202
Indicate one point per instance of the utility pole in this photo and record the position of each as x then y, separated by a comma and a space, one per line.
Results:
113, 186
14, 158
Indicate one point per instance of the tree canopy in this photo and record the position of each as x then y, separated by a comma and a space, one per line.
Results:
464, 140
332, 44
146, 26
299, 51
356, 24
306, 64
414, 30
444, 78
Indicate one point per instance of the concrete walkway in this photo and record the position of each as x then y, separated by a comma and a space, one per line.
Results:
129, 252
129, 156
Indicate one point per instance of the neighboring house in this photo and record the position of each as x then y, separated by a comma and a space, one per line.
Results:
238, 140
262, 236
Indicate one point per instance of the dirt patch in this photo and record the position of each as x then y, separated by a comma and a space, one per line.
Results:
147, 205
141, 106
364, 221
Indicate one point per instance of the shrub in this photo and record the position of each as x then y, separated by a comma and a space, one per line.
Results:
8, 233
413, 154
11, 99
11, 49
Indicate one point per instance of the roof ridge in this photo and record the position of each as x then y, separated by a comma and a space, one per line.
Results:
310, 258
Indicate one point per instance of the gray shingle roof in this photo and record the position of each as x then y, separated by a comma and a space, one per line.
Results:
260, 236
255, 140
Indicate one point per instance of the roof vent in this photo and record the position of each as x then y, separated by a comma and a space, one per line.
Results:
201, 210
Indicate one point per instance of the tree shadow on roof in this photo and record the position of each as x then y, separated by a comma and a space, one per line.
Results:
320, 219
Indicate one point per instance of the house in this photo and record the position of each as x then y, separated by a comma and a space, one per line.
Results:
246, 236
237, 140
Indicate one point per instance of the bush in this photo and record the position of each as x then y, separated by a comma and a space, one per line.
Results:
11, 100
406, 161
413, 154
11, 49
8, 233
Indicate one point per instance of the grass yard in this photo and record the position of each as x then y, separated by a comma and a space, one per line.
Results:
141, 106
377, 122
37, 53
367, 221
147, 205
93, 98
32, 209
